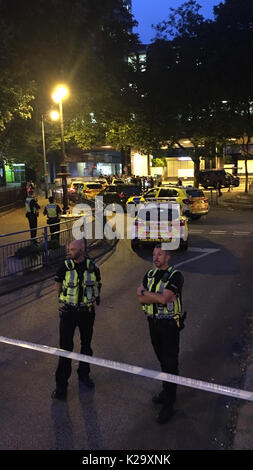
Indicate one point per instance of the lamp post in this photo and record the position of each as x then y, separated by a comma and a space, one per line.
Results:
44, 155
58, 95
54, 116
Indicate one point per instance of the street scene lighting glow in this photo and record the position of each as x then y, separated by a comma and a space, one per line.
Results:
54, 115
60, 93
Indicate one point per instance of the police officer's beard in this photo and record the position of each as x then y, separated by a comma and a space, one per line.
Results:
78, 256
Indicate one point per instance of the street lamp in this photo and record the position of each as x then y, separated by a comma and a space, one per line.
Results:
54, 116
58, 95
44, 155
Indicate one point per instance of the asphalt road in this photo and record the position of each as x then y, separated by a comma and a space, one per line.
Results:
119, 413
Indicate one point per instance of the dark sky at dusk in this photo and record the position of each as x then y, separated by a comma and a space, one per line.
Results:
148, 12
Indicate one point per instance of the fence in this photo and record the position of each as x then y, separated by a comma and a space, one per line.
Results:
21, 256
11, 197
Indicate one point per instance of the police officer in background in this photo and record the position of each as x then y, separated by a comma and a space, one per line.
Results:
53, 212
32, 212
78, 284
160, 297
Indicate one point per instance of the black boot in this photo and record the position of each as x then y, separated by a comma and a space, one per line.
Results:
159, 398
87, 381
59, 393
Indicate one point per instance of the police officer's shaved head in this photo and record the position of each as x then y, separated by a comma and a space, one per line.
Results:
76, 250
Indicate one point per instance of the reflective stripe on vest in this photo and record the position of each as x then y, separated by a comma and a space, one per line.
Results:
71, 285
51, 210
27, 204
172, 310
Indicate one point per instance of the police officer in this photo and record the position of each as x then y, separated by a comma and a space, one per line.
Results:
53, 212
78, 284
160, 297
32, 212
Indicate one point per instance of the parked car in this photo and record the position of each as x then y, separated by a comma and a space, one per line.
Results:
91, 190
76, 186
167, 194
142, 227
119, 193
118, 181
197, 202
217, 179
232, 180
102, 181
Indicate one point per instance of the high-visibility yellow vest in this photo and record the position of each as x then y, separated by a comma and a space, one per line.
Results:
27, 204
51, 210
28, 207
172, 310
72, 284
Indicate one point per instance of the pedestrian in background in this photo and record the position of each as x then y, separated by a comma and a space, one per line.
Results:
78, 284
160, 297
32, 212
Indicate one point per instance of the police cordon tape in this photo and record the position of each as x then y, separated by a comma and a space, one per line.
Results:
152, 374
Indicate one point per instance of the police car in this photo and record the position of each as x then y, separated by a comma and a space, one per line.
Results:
159, 223
197, 202
164, 193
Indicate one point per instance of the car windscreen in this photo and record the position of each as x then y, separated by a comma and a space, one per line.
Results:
129, 190
94, 186
195, 193
78, 185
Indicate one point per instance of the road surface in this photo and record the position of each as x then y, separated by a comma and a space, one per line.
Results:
119, 414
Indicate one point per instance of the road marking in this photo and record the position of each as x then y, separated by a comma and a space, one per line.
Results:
221, 232
241, 233
204, 252
136, 370
218, 232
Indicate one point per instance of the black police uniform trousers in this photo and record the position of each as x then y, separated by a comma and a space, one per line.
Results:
54, 228
70, 318
164, 336
33, 223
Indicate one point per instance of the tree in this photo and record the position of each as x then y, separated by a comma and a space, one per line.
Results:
210, 75
233, 22
79, 42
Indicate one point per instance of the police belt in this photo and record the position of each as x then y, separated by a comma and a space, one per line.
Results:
161, 317
77, 307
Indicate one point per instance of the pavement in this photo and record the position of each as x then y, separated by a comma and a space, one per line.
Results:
14, 220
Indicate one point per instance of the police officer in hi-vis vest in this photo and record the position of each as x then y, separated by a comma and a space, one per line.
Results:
53, 212
160, 296
78, 284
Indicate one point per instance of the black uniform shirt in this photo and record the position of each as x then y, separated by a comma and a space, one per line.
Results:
34, 207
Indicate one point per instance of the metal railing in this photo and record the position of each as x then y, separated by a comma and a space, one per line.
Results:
26, 255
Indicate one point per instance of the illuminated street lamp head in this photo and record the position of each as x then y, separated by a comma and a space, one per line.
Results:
60, 93
54, 115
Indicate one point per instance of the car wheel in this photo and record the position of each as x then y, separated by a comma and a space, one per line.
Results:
183, 245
